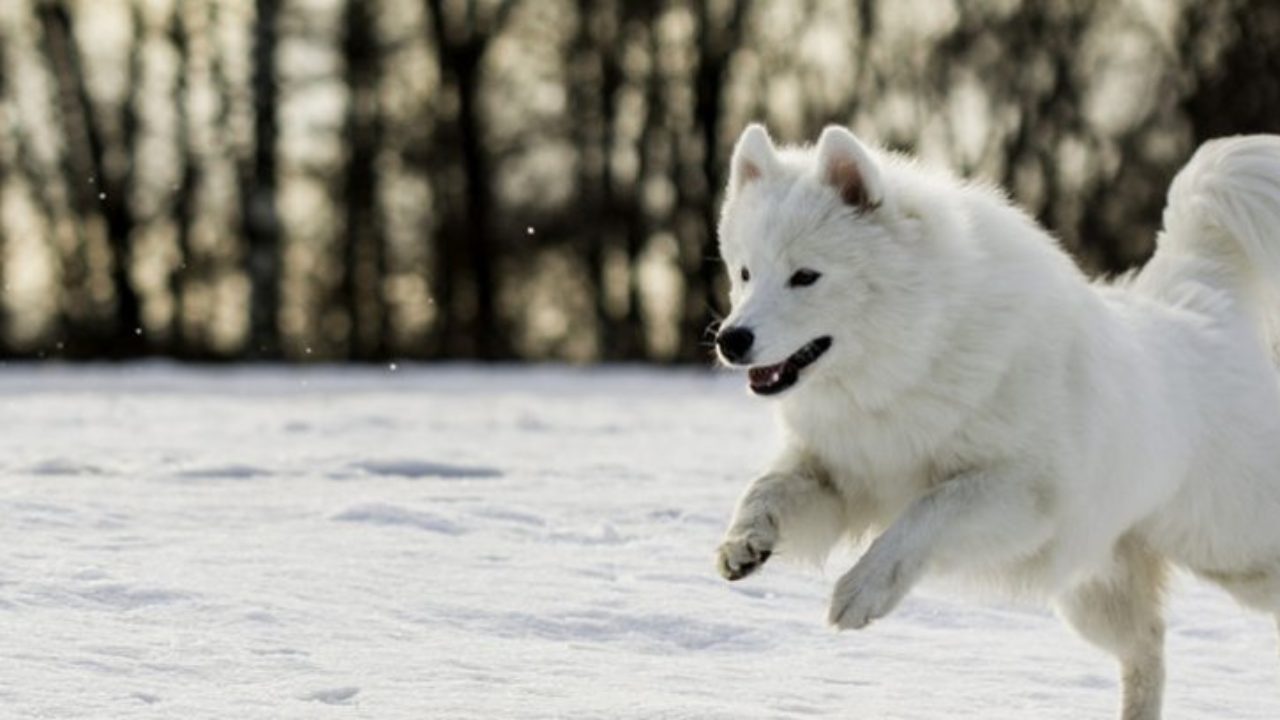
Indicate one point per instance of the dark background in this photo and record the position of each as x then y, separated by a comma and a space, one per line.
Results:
361, 180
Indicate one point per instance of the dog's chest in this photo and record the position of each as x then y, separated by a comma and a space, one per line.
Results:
883, 458
874, 466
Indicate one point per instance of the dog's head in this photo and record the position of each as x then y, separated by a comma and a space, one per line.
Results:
815, 247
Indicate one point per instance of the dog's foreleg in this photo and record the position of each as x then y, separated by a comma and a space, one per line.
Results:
978, 519
793, 501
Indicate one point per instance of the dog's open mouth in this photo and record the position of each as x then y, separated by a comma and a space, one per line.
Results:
773, 379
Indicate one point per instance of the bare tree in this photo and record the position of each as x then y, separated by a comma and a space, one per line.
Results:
594, 84
45, 186
258, 187
4, 187
97, 190
466, 246
363, 235
630, 336
184, 200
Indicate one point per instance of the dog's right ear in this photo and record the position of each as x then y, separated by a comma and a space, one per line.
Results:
848, 167
753, 157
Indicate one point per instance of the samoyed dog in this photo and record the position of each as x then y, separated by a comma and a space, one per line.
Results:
952, 387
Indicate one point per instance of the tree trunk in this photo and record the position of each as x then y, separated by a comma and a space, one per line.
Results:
475, 166
594, 82
460, 55
184, 201
632, 336
130, 340
363, 236
258, 190
5, 348
96, 191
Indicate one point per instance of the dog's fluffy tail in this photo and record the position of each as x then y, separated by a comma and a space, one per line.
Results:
1224, 207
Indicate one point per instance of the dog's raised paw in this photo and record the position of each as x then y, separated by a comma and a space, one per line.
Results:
739, 557
869, 591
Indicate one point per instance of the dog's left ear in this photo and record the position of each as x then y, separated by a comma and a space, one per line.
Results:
754, 157
846, 165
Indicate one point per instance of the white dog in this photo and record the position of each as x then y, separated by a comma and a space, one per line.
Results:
950, 382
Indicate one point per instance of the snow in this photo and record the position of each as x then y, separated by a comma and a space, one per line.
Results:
462, 542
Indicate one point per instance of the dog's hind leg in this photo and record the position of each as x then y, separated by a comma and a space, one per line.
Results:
1120, 613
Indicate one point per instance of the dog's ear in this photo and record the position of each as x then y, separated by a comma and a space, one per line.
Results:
753, 157
845, 164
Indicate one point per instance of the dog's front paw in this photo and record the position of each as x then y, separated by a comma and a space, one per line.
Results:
739, 557
742, 553
871, 589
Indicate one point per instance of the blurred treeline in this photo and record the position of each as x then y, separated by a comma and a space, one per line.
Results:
364, 179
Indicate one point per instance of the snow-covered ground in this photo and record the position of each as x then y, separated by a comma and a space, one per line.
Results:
453, 542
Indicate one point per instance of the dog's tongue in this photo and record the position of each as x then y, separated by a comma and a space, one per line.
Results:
772, 378
766, 375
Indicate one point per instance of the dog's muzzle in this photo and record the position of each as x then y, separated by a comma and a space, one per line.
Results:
773, 379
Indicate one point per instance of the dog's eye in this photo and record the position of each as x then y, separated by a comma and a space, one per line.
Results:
745, 274
804, 278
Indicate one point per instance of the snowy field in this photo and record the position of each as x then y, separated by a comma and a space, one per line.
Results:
451, 542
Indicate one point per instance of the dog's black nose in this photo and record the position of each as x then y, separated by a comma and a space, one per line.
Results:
735, 343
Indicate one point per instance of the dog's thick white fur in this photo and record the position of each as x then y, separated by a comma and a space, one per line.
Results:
985, 411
